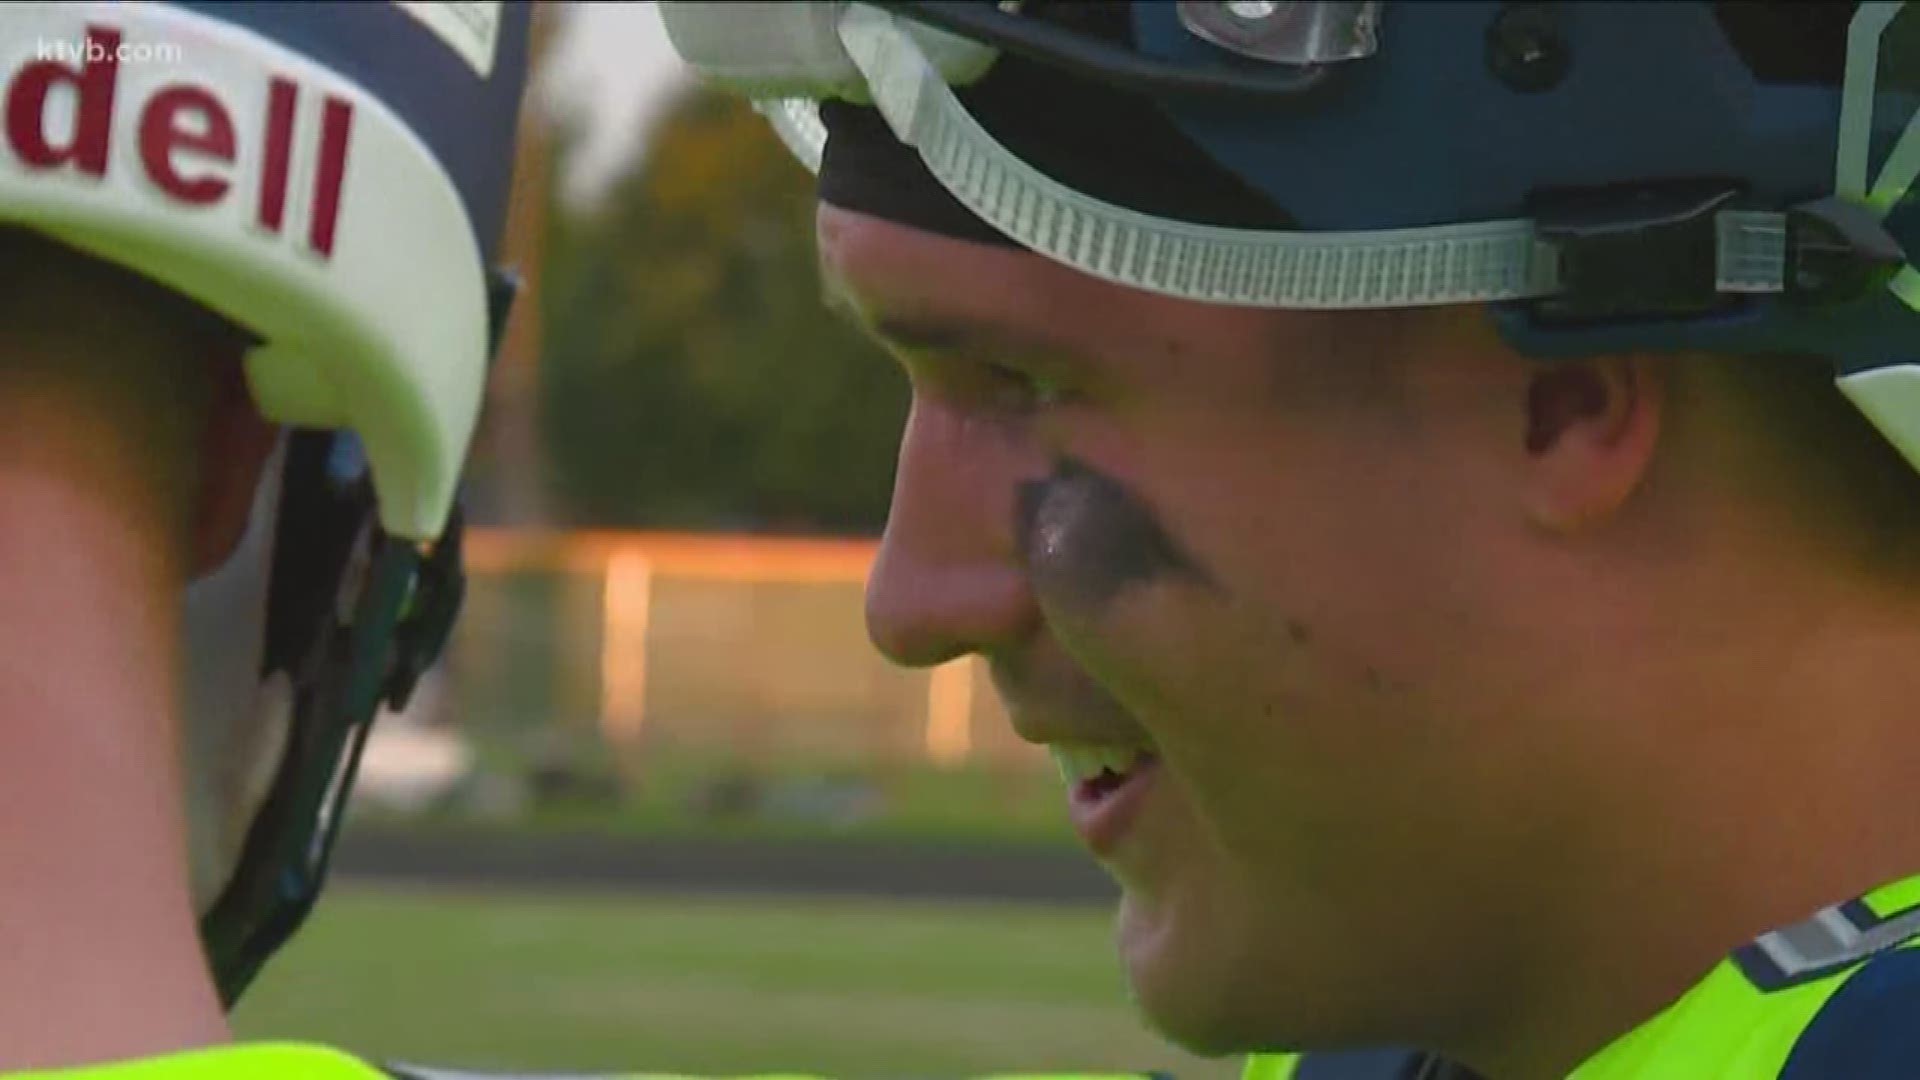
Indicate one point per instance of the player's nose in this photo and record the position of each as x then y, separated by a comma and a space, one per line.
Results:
947, 580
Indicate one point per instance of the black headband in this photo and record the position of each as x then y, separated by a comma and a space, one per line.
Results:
1109, 144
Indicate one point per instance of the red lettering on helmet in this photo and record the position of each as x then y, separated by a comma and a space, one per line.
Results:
281, 95
188, 145
162, 135
94, 81
331, 173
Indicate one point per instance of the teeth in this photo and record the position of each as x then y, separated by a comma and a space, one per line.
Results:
1081, 762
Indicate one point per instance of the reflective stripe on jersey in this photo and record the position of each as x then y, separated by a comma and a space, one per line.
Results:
1832, 996
279, 1061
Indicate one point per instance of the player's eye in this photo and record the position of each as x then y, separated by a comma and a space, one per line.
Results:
1024, 390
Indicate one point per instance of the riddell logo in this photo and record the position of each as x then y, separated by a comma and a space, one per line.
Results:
180, 124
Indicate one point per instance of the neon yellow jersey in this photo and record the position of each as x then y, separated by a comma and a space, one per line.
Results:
300, 1062
1837, 995
280, 1061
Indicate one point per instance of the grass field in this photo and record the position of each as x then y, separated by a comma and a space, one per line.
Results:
712, 987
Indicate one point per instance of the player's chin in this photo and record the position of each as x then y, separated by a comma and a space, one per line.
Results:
1182, 971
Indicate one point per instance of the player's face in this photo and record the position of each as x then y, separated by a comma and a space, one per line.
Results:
1230, 565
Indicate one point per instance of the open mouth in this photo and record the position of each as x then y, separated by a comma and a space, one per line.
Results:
1092, 772
1104, 786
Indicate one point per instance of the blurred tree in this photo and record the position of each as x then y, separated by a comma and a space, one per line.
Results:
506, 477
692, 377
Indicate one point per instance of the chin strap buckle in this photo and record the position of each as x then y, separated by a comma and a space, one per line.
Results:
428, 615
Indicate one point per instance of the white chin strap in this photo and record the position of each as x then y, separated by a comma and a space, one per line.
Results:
235, 725
1473, 263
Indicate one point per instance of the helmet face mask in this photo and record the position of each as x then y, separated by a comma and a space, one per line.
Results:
355, 616
1654, 191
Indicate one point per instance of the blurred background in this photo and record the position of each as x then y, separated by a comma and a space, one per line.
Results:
664, 808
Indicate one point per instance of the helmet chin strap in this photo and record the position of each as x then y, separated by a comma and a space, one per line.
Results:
234, 725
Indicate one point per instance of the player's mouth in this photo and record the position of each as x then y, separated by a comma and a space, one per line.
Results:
1106, 785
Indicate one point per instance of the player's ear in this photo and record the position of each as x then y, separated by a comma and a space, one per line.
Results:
1591, 427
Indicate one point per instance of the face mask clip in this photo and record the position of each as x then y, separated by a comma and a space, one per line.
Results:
1837, 252
1294, 32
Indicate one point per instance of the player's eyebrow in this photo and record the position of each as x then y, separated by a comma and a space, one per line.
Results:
935, 334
